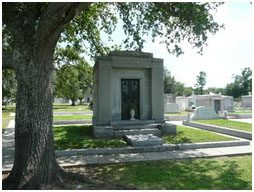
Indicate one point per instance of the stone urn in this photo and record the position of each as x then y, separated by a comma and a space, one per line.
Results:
132, 113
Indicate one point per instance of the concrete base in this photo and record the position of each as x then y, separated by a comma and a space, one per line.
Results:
143, 140
168, 129
103, 132
223, 130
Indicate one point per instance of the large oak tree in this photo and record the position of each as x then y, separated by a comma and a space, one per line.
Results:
32, 32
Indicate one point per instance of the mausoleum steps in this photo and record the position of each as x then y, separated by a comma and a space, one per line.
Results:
136, 126
134, 122
121, 133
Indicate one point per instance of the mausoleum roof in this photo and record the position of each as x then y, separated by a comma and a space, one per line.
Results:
131, 54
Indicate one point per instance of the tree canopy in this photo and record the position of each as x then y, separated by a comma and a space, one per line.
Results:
73, 81
173, 86
201, 81
242, 84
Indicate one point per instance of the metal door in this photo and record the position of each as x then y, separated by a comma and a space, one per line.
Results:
130, 98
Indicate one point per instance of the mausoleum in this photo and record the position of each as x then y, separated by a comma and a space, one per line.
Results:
246, 101
128, 88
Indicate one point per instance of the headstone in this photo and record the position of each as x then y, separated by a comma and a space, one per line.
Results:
204, 113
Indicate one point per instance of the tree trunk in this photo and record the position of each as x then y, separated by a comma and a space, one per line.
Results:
35, 29
73, 102
35, 161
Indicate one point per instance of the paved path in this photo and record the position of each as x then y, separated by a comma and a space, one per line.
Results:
166, 155
8, 154
67, 113
242, 120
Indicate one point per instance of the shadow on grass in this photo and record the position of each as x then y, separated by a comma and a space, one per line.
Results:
191, 174
177, 139
81, 137
69, 106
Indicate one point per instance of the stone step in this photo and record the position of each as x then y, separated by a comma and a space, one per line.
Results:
134, 122
121, 133
129, 127
143, 140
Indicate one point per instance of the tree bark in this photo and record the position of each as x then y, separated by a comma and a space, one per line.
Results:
73, 102
35, 163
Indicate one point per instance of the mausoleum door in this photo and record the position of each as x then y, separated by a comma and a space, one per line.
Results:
217, 106
130, 89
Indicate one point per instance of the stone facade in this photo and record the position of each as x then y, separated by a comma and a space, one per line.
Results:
169, 98
214, 101
170, 105
228, 103
182, 103
112, 76
88, 98
246, 101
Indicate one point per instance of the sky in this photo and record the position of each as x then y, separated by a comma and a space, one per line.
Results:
227, 53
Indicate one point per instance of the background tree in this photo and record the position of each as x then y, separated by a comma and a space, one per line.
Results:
242, 84
73, 81
33, 30
9, 86
201, 81
188, 91
173, 86
169, 82
246, 81
216, 90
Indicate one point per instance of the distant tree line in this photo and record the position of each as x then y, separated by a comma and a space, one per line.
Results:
74, 79
241, 85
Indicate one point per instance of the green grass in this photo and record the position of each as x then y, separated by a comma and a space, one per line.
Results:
175, 114
71, 117
81, 137
189, 135
6, 116
241, 112
58, 107
228, 124
228, 173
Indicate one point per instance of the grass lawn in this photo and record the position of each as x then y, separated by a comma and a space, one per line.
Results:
6, 116
71, 117
81, 137
229, 173
227, 123
66, 107
189, 135
175, 114
241, 112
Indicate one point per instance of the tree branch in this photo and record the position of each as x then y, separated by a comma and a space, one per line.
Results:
8, 62
55, 19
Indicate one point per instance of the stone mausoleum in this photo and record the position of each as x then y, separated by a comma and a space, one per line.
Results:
126, 81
